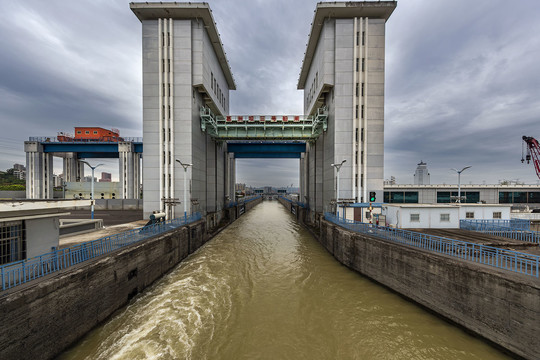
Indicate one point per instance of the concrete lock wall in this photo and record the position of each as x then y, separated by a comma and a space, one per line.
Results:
501, 307
73, 302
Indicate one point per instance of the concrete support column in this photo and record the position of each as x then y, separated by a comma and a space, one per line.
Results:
302, 172
319, 177
230, 176
211, 181
39, 171
126, 171
73, 170
137, 176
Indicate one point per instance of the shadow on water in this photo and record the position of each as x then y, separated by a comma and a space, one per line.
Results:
265, 289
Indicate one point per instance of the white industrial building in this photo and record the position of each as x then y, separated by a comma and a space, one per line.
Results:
445, 216
31, 228
517, 195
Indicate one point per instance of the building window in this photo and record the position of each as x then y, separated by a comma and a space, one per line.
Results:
87, 132
469, 215
362, 112
400, 197
363, 64
520, 197
497, 215
415, 217
358, 37
357, 89
12, 241
533, 197
357, 64
95, 132
79, 132
445, 217
362, 89
356, 112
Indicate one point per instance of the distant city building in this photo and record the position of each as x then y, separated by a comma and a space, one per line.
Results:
19, 167
392, 181
88, 178
105, 177
19, 174
57, 180
421, 176
268, 190
240, 187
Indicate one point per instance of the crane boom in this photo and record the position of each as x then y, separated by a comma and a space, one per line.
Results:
533, 153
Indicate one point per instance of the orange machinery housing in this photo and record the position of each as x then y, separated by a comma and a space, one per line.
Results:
92, 134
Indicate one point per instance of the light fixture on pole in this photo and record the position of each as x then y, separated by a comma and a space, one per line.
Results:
185, 166
338, 167
459, 180
92, 189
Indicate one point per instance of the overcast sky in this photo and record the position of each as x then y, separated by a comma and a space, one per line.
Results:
462, 79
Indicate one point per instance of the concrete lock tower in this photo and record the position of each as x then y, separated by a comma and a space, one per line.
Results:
343, 69
186, 83
184, 69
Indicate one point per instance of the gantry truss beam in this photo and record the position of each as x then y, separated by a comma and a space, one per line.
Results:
264, 127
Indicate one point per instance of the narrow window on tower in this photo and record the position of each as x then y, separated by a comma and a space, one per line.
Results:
168, 39
356, 135
169, 160
357, 64
162, 39
357, 89
164, 160
356, 157
362, 135
163, 134
168, 65
169, 134
169, 110
169, 89
212, 80
163, 65
362, 158
363, 38
356, 180
163, 112
363, 64
358, 38
362, 180
356, 112
362, 89
362, 112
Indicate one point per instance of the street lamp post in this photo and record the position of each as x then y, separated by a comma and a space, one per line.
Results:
338, 167
92, 188
459, 180
185, 166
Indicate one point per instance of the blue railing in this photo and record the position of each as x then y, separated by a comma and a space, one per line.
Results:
516, 229
20, 272
488, 255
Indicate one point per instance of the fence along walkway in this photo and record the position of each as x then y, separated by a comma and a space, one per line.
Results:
516, 229
488, 255
20, 272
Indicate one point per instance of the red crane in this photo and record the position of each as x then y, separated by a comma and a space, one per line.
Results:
533, 153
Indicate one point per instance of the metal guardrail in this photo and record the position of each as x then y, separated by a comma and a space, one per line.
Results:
513, 229
488, 255
20, 272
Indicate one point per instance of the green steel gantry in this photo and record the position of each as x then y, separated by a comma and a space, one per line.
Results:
264, 127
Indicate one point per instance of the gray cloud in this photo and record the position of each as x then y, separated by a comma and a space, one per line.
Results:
462, 78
